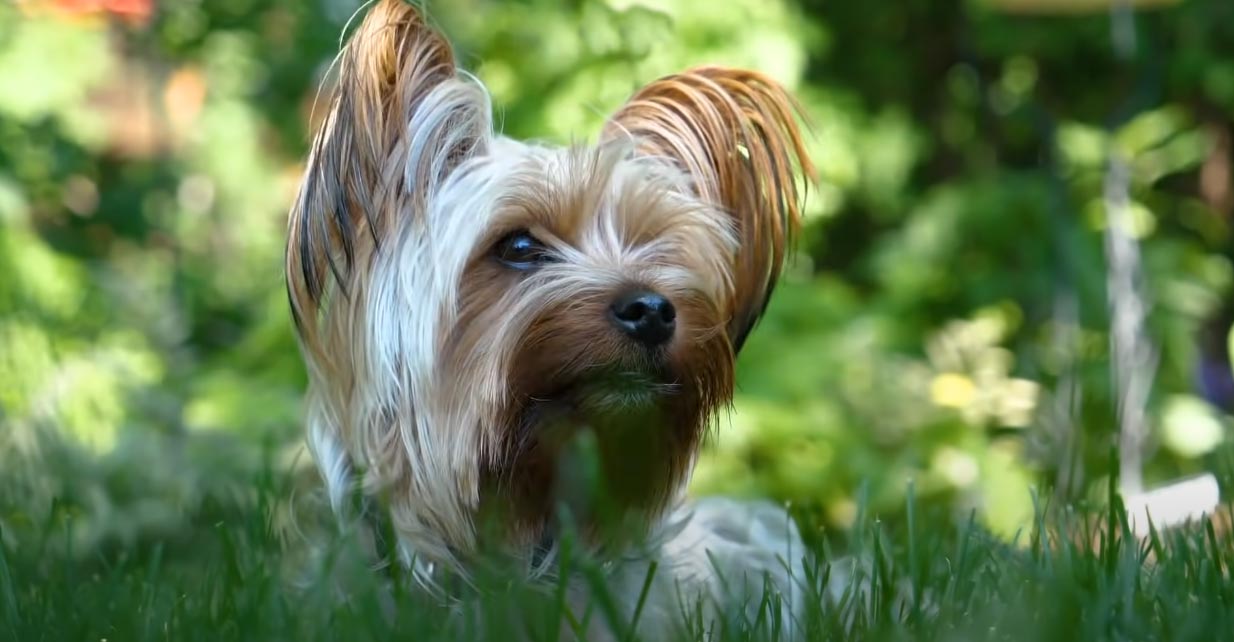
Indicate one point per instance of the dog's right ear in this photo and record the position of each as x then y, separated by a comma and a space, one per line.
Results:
400, 120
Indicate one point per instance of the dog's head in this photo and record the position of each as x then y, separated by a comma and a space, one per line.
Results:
469, 306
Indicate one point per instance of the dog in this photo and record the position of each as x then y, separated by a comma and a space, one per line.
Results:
488, 323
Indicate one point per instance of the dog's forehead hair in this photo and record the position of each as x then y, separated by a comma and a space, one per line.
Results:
603, 204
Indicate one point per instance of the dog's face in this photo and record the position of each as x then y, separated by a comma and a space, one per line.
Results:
472, 308
592, 299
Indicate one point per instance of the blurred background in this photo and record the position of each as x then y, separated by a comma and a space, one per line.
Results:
1003, 182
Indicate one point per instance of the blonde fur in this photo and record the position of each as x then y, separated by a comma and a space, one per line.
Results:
453, 388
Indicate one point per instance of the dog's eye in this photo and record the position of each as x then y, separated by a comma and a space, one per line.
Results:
522, 251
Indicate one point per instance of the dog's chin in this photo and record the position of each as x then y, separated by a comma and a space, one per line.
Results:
618, 422
618, 403
619, 391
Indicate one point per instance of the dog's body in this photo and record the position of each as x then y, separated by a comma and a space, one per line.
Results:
488, 322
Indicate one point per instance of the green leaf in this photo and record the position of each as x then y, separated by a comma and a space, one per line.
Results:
1231, 347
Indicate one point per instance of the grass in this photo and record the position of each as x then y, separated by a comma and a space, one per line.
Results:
236, 573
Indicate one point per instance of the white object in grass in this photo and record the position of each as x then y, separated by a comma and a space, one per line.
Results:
1173, 504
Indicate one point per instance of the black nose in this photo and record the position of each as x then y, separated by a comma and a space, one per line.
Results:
646, 317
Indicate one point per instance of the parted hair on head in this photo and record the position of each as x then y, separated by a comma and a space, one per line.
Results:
470, 306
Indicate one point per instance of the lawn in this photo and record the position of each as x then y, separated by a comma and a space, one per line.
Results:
240, 572
947, 318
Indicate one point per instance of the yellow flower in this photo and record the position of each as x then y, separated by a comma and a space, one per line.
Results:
952, 390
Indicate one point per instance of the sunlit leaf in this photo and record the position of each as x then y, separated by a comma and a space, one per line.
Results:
49, 66
1230, 349
50, 282
1006, 487
1190, 427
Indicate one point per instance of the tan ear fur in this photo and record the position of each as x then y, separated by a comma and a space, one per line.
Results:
735, 134
364, 158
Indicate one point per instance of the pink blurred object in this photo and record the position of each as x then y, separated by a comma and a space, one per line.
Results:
134, 12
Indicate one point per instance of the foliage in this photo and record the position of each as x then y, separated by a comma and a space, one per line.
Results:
945, 319
1074, 578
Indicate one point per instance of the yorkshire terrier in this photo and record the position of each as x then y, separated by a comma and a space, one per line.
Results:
484, 320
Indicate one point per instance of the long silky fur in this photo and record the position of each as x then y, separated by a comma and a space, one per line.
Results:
429, 364
402, 117
735, 133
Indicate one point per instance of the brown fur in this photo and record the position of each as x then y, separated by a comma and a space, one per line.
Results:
734, 133
350, 192
458, 388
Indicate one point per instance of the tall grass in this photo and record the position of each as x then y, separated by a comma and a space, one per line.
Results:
245, 576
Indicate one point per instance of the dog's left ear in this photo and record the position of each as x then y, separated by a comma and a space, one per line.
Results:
735, 134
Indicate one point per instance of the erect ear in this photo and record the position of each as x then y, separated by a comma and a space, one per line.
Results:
734, 132
400, 120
